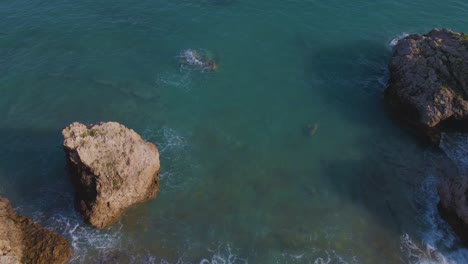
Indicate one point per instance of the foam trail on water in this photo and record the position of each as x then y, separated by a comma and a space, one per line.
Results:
421, 254
223, 255
84, 238
167, 140
439, 244
56, 212
455, 147
172, 140
437, 238
173, 146
316, 256
146, 259
438, 231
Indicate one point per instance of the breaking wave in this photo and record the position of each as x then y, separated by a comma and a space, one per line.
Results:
168, 140
316, 256
174, 152
421, 254
395, 40
56, 212
223, 255
438, 243
83, 238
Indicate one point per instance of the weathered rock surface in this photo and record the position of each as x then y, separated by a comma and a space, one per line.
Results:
453, 186
428, 90
111, 167
428, 86
22, 241
453, 205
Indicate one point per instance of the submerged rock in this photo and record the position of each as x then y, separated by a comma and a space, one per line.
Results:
199, 60
310, 129
428, 86
111, 167
23, 241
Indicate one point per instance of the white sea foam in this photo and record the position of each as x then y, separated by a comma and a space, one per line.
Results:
83, 238
57, 213
438, 243
174, 147
145, 259
394, 41
437, 231
167, 140
172, 140
195, 60
421, 254
223, 254
316, 256
191, 57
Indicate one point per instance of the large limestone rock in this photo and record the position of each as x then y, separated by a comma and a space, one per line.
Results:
22, 241
428, 87
112, 168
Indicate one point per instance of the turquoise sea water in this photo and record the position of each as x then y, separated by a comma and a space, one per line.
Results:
241, 179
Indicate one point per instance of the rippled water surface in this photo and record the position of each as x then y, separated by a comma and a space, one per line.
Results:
243, 177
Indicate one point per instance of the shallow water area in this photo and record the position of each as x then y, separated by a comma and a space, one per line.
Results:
285, 154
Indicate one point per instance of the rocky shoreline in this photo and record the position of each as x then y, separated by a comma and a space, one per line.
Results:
428, 93
23, 241
111, 167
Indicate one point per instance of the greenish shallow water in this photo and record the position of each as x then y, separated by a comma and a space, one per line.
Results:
240, 179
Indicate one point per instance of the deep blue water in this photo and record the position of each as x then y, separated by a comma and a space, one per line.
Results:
241, 179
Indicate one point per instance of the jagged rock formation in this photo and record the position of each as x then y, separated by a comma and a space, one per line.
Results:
22, 241
453, 185
453, 205
428, 90
111, 167
428, 86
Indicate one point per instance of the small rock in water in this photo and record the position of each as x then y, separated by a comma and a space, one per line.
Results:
311, 129
199, 60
